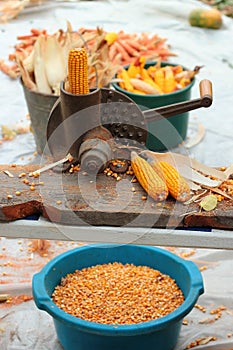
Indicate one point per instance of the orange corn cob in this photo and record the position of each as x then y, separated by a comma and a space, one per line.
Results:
148, 179
78, 71
177, 185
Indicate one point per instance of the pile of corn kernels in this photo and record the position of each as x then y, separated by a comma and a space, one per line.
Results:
117, 293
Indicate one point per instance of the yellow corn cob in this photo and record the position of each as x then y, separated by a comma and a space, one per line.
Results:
151, 71
133, 70
169, 83
159, 78
148, 179
184, 82
111, 37
126, 81
135, 91
121, 82
177, 185
78, 71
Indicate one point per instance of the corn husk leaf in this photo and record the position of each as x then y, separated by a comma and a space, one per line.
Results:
55, 65
26, 77
209, 202
228, 171
195, 198
193, 186
28, 62
181, 161
39, 66
196, 177
218, 191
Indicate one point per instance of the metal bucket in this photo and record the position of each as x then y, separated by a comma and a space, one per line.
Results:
39, 107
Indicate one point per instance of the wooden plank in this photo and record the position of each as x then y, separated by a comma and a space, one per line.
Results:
43, 229
77, 199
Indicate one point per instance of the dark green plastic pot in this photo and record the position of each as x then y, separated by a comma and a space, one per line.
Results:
165, 133
39, 107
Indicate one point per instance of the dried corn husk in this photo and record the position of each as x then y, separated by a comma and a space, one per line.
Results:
198, 175
43, 68
41, 78
55, 69
182, 161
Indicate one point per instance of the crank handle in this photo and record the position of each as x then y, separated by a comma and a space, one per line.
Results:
205, 100
206, 94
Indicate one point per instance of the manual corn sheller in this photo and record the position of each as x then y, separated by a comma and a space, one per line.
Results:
89, 125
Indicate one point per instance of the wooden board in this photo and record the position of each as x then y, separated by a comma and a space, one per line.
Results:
79, 199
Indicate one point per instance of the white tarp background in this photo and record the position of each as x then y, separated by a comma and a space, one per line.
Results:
25, 327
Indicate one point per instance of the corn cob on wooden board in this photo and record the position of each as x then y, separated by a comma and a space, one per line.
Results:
99, 203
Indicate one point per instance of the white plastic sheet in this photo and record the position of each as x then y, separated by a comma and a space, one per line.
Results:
25, 327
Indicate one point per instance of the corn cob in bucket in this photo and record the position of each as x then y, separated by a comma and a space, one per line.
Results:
78, 71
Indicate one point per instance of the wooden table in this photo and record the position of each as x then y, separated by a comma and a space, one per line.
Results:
104, 210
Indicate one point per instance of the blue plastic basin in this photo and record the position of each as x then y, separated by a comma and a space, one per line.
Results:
76, 334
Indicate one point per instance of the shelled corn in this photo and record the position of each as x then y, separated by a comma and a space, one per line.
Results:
78, 71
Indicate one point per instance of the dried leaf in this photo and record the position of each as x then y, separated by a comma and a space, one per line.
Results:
209, 202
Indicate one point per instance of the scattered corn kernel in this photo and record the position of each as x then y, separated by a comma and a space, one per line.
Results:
26, 181
201, 308
22, 175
